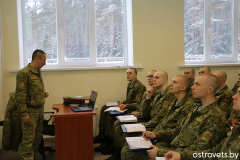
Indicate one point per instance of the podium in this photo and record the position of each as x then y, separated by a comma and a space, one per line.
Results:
73, 133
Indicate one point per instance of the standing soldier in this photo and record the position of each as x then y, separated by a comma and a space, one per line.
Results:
30, 98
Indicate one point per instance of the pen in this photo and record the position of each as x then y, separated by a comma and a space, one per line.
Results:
148, 133
120, 105
234, 121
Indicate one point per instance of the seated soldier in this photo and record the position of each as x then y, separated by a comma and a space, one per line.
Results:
135, 90
203, 128
223, 97
190, 74
111, 118
204, 70
230, 144
155, 105
166, 131
234, 114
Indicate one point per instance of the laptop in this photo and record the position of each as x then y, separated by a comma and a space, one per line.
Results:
88, 106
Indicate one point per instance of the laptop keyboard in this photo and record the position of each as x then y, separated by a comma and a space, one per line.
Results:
84, 108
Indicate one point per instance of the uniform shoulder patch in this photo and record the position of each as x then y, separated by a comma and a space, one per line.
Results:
6, 119
206, 136
165, 104
21, 85
225, 105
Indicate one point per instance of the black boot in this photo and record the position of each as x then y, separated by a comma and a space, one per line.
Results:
110, 149
116, 155
99, 137
105, 144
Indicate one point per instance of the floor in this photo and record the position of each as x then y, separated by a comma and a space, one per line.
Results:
48, 141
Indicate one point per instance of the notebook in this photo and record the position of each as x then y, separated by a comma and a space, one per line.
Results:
89, 106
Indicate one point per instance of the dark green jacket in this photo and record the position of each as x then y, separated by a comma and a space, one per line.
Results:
12, 128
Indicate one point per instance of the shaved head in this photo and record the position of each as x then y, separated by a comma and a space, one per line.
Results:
220, 74
211, 81
163, 74
184, 80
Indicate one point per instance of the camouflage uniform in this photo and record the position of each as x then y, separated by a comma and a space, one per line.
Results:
201, 130
224, 100
158, 109
30, 99
135, 92
189, 90
169, 128
234, 114
230, 144
119, 139
12, 129
235, 88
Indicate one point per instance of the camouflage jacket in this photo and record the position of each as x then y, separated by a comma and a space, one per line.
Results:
134, 94
235, 87
29, 90
235, 115
140, 105
170, 126
189, 90
224, 100
158, 107
12, 128
230, 144
201, 130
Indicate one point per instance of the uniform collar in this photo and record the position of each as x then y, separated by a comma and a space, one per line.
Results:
32, 69
220, 91
207, 108
134, 83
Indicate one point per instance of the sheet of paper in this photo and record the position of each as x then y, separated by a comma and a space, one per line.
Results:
138, 142
160, 158
135, 127
108, 104
127, 117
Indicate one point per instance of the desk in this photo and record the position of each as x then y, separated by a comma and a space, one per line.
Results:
73, 134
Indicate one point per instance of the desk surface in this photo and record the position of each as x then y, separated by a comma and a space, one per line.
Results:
65, 111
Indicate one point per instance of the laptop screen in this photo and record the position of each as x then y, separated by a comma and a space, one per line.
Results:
93, 98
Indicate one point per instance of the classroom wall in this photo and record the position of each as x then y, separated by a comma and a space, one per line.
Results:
158, 43
1, 84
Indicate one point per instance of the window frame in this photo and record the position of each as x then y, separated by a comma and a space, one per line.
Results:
207, 38
128, 36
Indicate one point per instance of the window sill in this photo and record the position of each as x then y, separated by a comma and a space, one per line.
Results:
82, 68
209, 65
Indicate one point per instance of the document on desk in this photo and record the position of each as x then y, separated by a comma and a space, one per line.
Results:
111, 104
114, 109
160, 158
127, 118
138, 127
136, 143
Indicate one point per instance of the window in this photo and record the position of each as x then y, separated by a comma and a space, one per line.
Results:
76, 33
211, 30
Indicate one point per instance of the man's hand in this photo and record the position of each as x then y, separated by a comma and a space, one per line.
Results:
150, 92
26, 119
147, 135
135, 113
152, 153
171, 155
46, 94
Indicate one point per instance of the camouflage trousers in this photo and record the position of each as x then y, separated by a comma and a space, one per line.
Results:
103, 118
32, 133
